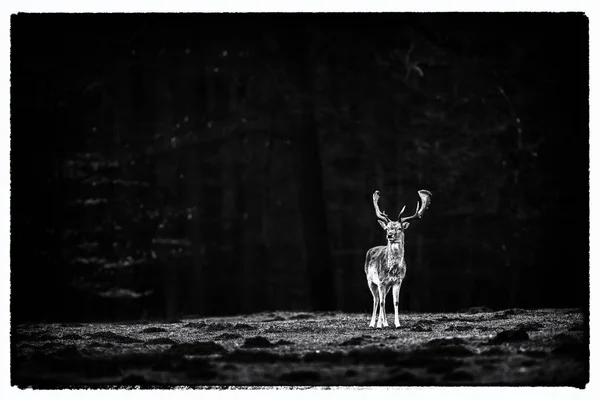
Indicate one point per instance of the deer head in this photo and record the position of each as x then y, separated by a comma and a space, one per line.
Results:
395, 229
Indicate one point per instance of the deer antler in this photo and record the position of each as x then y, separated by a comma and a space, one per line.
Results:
401, 211
381, 215
425, 196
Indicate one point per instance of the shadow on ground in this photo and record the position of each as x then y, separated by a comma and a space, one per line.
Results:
474, 347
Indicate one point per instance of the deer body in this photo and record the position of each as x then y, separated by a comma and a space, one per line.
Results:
385, 266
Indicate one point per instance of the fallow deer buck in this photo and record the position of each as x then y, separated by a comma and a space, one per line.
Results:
385, 266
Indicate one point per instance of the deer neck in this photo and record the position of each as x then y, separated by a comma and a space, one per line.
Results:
395, 252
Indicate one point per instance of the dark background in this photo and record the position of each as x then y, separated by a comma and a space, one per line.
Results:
169, 165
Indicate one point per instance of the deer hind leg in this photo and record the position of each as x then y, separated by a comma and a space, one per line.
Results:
375, 294
396, 294
382, 292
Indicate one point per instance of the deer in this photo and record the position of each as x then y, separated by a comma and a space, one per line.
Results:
385, 266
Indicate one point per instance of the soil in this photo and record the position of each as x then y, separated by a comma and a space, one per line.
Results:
515, 347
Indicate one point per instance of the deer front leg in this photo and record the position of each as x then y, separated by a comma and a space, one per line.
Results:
373, 288
396, 294
385, 323
381, 321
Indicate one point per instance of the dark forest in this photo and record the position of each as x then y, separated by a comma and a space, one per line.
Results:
193, 197
166, 165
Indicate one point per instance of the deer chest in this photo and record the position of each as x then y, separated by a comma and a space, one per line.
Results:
396, 269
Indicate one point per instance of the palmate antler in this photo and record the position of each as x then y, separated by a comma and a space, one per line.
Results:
380, 214
425, 196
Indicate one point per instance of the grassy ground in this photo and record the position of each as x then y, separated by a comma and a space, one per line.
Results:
512, 347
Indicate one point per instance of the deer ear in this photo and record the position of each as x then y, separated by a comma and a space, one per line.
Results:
382, 224
405, 225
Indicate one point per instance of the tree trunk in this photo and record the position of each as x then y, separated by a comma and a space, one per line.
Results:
309, 175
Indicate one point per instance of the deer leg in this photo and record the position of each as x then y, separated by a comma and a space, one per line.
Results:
396, 294
381, 305
385, 323
373, 288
